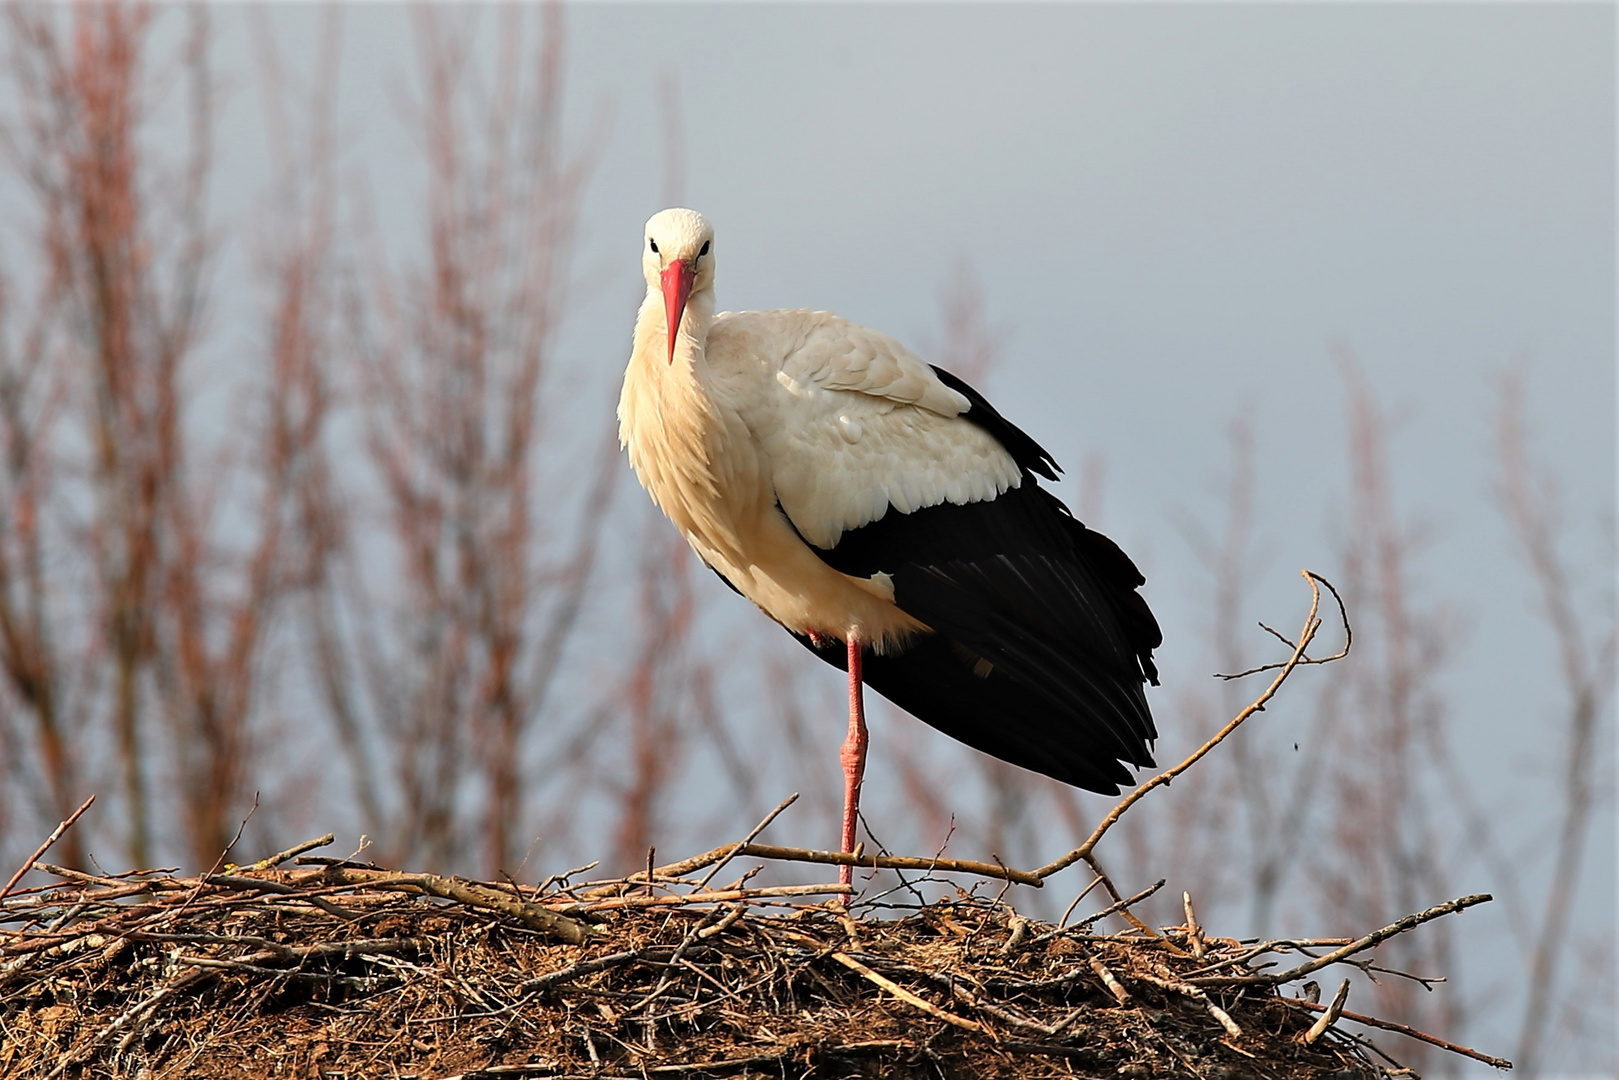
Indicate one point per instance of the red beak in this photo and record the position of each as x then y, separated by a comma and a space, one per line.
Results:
677, 279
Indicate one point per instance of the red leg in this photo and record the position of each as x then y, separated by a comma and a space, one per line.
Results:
853, 755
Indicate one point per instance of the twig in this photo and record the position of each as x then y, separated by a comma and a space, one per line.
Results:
1339, 955
587, 967
201, 882
1018, 932
1083, 893
1306, 635
56, 834
679, 955
1349, 639
300, 953
1113, 891
1164, 981
536, 916
348, 861
1005, 1015
1109, 980
297, 849
1408, 1032
1330, 1017
236, 882
1194, 932
1377, 936
748, 839
715, 897
1091, 920
880, 862
903, 994
724, 924
556, 879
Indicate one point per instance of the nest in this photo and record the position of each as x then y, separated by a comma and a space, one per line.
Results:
337, 968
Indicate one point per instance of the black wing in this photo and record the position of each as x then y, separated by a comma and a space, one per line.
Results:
1041, 642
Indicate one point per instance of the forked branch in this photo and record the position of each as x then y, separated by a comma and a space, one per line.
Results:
1312, 624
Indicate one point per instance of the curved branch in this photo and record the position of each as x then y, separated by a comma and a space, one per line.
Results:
1306, 635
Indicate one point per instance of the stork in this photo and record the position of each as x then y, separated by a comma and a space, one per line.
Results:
887, 516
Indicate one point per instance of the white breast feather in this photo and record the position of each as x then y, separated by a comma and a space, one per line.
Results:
805, 380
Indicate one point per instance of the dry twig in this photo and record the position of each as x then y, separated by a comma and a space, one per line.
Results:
1306, 636
1407, 1031
56, 834
903, 994
1378, 936
845, 858
1330, 1017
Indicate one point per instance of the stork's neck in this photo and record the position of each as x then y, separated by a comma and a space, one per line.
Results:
651, 336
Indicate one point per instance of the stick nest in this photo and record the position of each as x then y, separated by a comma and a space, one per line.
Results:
340, 969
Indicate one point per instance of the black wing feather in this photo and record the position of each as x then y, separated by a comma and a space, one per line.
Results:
1051, 606
1029, 455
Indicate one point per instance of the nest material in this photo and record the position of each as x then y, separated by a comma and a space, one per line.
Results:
342, 969
346, 969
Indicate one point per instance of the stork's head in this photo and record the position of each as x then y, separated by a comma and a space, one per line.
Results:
677, 259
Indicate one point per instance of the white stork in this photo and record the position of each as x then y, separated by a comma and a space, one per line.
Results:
859, 496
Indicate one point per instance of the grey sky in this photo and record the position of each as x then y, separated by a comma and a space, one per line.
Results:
1174, 210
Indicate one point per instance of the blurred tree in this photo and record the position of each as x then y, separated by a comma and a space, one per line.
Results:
440, 634
131, 607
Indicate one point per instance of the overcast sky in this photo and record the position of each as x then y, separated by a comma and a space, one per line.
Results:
1174, 210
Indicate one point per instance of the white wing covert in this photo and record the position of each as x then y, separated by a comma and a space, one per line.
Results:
853, 423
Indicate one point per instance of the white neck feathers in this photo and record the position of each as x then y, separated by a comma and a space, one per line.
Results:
651, 335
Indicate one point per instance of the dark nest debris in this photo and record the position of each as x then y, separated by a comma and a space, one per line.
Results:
339, 969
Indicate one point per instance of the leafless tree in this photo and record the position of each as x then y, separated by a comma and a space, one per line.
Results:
1581, 621
131, 607
438, 668
1342, 808
1385, 840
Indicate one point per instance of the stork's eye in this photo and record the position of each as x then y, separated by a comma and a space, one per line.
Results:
654, 244
703, 252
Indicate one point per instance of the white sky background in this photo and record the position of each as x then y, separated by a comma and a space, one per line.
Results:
1173, 210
